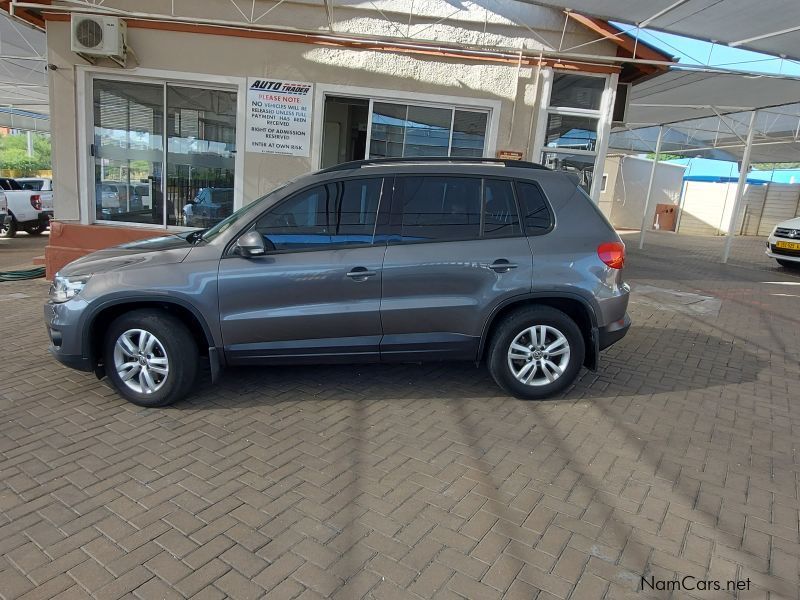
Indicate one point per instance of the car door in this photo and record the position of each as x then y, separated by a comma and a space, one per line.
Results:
457, 252
315, 295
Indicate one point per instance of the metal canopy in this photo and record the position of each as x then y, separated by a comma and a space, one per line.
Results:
23, 80
701, 118
772, 27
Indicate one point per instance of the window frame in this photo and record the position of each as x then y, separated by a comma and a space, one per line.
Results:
380, 228
603, 115
321, 90
85, 76
396, 211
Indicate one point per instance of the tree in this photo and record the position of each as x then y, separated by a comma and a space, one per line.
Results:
14, 153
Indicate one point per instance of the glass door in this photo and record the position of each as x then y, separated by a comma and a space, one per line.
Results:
128, 151
201, 151
131, 158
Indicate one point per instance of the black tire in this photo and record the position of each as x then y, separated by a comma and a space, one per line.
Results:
515, 324
33, 229
9, 230
178, 345
788, 264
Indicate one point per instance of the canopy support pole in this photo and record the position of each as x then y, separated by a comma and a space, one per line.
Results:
650, 186
737, 199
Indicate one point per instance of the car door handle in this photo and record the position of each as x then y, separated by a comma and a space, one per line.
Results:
360, 273
501, 265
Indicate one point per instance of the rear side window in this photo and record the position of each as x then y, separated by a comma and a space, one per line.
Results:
535, 212
439, 208
500, 217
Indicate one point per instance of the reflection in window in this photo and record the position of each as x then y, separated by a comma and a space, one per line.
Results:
469, 133
440, 208
582, 165
500, 218
128, 126
401, 130
577, 91
534, 207
201, 143
571, 132
338, 213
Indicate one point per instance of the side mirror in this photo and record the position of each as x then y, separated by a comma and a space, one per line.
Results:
251, 244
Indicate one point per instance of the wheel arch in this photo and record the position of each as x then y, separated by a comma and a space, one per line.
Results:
97, 322
578, 308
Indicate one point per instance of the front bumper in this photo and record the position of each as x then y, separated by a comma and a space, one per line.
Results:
781, 253
611, 334
65, 337
6, 220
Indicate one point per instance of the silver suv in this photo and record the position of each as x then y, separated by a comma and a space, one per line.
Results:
393, 260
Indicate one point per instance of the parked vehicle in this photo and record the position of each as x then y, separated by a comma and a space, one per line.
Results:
783, 243
5, 218
30, 210
208, 207
374, 261
36, 184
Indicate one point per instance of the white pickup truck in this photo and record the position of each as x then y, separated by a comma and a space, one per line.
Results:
28, 210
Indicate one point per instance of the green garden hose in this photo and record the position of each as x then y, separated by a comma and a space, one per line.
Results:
33, 273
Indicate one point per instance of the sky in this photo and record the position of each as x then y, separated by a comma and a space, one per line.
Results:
697, 52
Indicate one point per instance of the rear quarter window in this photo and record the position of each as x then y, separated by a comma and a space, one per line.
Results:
536, 213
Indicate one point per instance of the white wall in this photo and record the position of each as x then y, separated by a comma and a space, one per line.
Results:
630, 190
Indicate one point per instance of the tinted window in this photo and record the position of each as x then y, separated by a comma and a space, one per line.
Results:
535, 213
440, 208
500, 218
341, 212
33, 184
9, 184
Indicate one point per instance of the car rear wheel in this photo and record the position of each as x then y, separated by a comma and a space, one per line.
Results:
536, 353
8, 229
34, 229
788, 264
150, 357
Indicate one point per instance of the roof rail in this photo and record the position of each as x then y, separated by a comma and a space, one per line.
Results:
358, 164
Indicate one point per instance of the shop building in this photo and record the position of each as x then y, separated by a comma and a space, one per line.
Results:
209, 114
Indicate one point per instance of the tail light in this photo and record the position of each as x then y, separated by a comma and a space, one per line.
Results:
612, 253
36, 201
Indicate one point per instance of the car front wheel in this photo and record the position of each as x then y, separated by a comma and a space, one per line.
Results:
536, 353
150, 357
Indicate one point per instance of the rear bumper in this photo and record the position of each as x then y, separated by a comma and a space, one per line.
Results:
611, 334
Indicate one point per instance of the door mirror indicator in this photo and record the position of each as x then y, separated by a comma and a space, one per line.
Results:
250, 244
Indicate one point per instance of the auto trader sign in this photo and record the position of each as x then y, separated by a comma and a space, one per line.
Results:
279, 117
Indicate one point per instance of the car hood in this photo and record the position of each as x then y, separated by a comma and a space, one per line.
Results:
165, 250
791, 223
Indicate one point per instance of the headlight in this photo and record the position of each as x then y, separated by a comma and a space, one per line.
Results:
64, 288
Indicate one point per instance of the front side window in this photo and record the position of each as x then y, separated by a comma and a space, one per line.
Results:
333, 214
440, 208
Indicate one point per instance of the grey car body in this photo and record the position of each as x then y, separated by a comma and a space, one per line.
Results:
385, 299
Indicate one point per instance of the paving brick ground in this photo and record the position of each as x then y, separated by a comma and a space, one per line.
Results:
679, 457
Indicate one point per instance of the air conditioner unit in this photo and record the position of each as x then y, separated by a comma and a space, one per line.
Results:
99, 36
